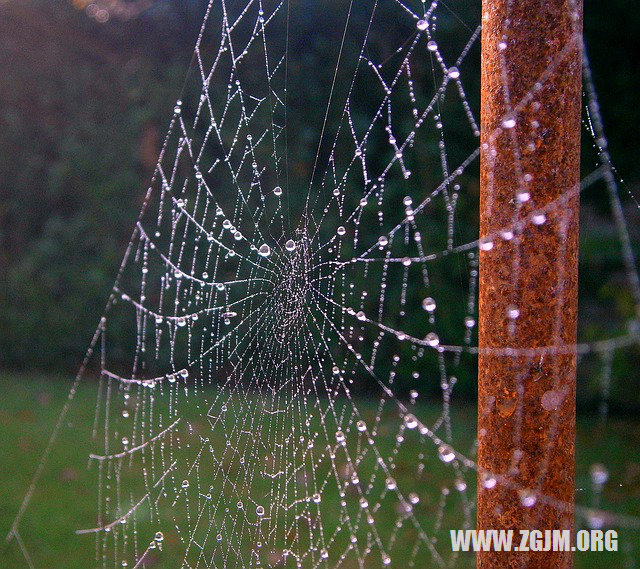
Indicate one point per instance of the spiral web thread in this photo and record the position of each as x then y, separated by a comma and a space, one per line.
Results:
263, 420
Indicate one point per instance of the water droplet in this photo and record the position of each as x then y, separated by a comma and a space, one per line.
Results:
260, 511
185, 484
469, 322
429, 304
159, 536
361, 316
460, 484
528, 498
383, 241
182, 321
316, 498
277, 191
362, 426
432, 46
453, 72
422, 25
599, 474
414, 498
341, 230
406, 261
324, 554
125, 413
446, 453
290, 245
506, 405
509, 123
595, 520
391, 484
125, 441
410, 421
485, 244
432, 339
264, 250
539, 218
513, 312
551, 400
523, 196
488, 481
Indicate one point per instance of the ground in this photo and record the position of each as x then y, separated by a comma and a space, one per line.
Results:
30, 404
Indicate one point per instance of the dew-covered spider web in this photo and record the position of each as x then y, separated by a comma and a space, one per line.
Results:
285, 394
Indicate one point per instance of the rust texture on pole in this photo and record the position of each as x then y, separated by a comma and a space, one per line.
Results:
531, 109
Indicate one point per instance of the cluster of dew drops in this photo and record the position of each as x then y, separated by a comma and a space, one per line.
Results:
598, 472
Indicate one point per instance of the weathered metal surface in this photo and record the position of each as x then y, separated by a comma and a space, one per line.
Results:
531, 107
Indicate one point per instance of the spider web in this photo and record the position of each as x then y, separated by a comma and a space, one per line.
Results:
290, 310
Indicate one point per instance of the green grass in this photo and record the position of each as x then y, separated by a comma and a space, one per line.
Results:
65, 498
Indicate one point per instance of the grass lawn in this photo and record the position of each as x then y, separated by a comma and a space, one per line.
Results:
65, 498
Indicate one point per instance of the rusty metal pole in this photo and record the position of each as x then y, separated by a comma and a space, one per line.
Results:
531, 108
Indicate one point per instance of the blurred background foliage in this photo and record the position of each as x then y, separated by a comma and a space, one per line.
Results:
86, 93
